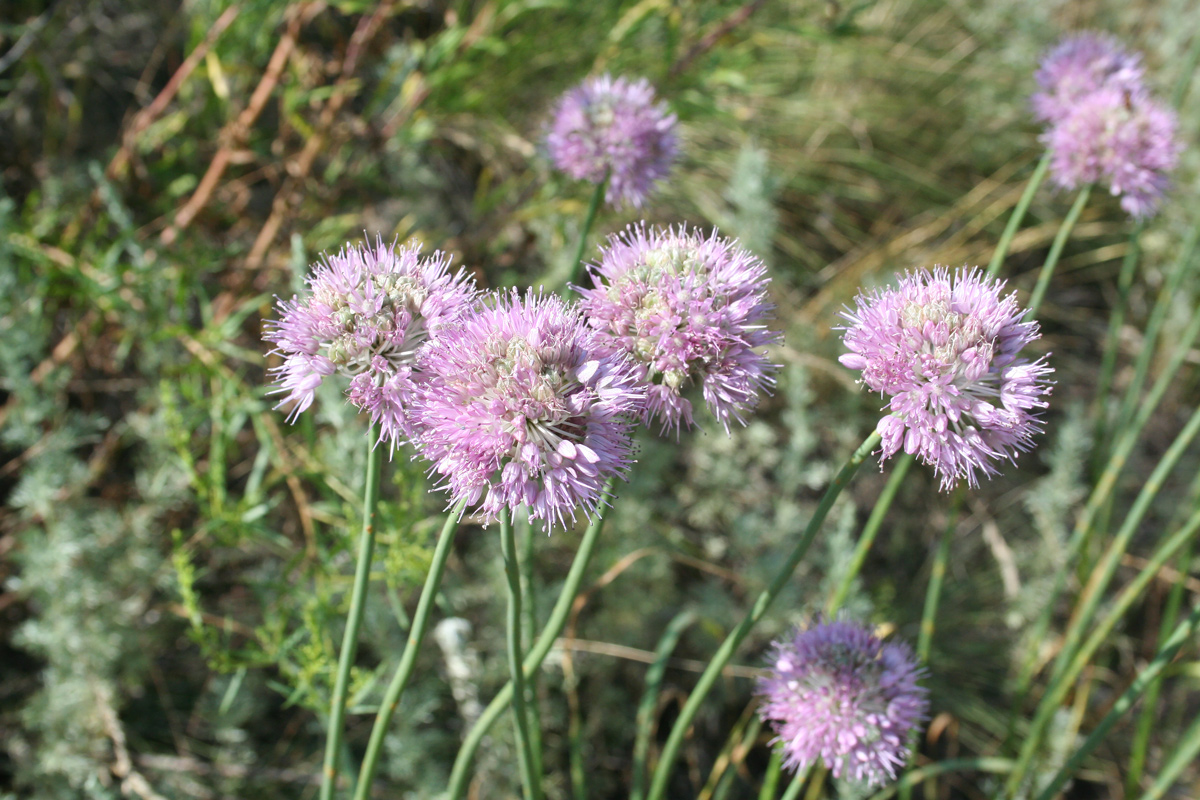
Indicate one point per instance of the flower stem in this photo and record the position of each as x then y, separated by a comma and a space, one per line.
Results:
793, 790
1108, 360
404, 670
933, 594
358, 594
537, 653
512, 571
867, 538
529, 604
1018, 214
577, 263
670, 751
1060, 241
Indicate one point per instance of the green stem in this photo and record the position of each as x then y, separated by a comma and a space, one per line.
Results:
649, 703
577, 263
770, 783
793, 790
537, 653
867, 538
1108, 361
1141, 737
508, 549
1185, 265
1182, 635
1103, 489
937, 575
528, 592
1102, 575
358, 594
994, 766
1060, 241
1170, 614
670, 752
408, 661
1060, 688
1018, 214
1185, 755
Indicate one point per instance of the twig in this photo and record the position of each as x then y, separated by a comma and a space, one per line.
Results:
712, 37
647, 657
234, 133
366, 30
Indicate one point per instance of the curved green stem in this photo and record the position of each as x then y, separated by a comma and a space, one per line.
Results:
537, 654
408, 661
670, 752
358, 594
870, 530
529, 604
1018, 214
1060, 241
512, 571
1182, 635
577, 262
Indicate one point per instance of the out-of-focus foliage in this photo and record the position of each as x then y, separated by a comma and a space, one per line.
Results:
176, 557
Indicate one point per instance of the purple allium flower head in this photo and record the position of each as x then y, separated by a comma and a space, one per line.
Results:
835, 692
369, 311
946, 349
523, 408
1079, 65
613, 126
688, 308
1124, 139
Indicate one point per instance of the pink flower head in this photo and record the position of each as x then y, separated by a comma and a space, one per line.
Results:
368, 312
523, 408
687, 308
946, 350
836, 693
1124, 139
613, 127
1079, 65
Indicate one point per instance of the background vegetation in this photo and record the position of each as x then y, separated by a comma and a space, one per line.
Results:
176, 556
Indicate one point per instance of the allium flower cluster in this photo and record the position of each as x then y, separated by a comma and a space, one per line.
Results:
836, 693
613, 127
1104, 126
1079, 65
946, 350
524, 408
688, 308
1125, 140
367, 314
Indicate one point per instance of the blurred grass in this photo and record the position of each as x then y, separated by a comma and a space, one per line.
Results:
177, 557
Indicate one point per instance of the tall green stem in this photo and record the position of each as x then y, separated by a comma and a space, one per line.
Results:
408, 661
1060, 241
933, 594
1182, 635
1018, 214
358, 594
1108, 360
577, 263
521, 723
1185, 755
537, 654
1060, 688
529, 604
870, 530
670, 752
